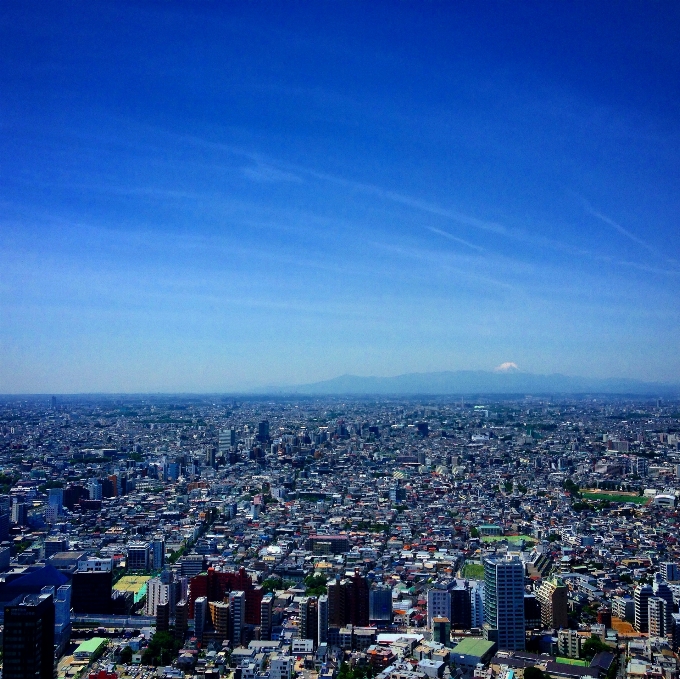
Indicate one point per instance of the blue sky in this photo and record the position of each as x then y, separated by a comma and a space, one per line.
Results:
215, 196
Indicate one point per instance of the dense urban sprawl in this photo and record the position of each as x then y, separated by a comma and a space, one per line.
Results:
271, 538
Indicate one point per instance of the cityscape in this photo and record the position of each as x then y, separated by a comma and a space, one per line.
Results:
398, 538
339, 339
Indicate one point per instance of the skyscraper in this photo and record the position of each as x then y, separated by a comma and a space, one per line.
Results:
661, 590
669, 571
309, 618
348, 601
322, 632
380, 604
658, 617
266, 609
28, 639
227, 441
641, 596
504, 602
552, 595
477, 604
263, 431
200, 616
438, 604
461, 607
237, 615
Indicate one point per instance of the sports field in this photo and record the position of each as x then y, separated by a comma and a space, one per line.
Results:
509, 538
614, 497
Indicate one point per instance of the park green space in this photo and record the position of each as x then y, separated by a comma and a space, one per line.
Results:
509, 538
473, 571
614, 497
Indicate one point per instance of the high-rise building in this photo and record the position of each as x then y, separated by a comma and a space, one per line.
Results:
569, 643
309, 619
237, 615
658, 617
157, 553
19, 513
504, 602
661, 590
441, 631
54, 546
641, 596
200, 616
28, 639
157, 592
552, 596
138, 556
219, 615
623, 608
266, 610
477, 604
348, 601
263, 431
55, 498
227, 441
216, 585
181, 619
461, 607
62, 614
438, 604
322, 632
94, 489
163, 617
380, 604
91, 591
669, 571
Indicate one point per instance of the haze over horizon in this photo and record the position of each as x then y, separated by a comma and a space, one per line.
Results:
208, 197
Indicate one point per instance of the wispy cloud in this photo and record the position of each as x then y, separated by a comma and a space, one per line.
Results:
629, 235
269, 173
450, 236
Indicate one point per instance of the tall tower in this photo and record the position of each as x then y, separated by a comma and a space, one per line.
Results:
661, 590
658, 617
237, 615
552, 596
266, 609
28, 640
641, 596
461, 608
200, 616
504, 603
380, 604
438, 604
336, 603
322, 632
669, 570
227, 441
309, 619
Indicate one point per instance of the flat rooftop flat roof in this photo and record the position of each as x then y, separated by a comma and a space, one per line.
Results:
90, 645
131, 583
476, 647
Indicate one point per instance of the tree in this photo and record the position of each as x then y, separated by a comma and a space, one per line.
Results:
474, 532
126, 655
315, 584
592, 647
161, 649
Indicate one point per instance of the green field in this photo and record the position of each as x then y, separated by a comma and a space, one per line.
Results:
509, 538
473, 571
572, 661
615, 497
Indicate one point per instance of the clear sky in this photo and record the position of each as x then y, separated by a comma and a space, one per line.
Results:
214, 196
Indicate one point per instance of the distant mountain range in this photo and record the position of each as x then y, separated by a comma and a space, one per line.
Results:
479, 382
